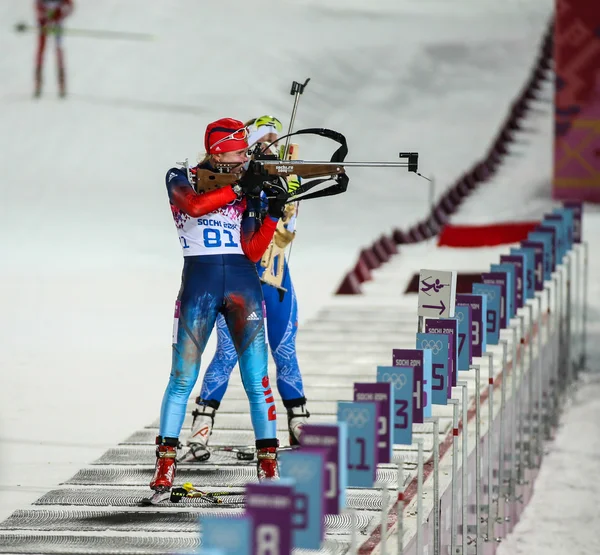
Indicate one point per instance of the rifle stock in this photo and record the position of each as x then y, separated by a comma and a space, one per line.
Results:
205, 180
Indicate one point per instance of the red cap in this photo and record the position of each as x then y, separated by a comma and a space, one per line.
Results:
225, 135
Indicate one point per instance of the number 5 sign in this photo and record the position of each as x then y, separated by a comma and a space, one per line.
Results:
438, 344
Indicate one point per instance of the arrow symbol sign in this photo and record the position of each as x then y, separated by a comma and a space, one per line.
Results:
441, 306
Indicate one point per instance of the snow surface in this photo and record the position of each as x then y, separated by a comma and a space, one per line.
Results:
91, 261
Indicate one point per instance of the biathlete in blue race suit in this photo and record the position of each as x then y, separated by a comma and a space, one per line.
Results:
282, 327
221, 243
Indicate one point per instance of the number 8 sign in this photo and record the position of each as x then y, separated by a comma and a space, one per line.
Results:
271, 505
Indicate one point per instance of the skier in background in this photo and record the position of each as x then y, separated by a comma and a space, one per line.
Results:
282, 326
50, 16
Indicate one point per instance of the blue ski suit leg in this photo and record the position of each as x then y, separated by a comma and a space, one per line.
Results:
282, 327
224, 284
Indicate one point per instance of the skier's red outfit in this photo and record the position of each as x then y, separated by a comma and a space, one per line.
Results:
50, 15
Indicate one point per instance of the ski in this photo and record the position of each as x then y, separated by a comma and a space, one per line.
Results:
187, 491
156, 498
22, 27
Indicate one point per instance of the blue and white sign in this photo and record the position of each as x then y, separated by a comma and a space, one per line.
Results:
307, 470
511, 281
556, 221
230, 535
493, 295
568, 215
478, 314
528, 255
361, 420
539, 249
465, 340
546, 238
438, 344
402, 380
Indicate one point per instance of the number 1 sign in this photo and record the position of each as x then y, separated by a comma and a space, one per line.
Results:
361, 420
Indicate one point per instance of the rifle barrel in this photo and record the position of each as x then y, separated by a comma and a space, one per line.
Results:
336, 164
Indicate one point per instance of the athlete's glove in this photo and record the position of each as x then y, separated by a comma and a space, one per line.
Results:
293, 182
251, 182
275, 208
277, 197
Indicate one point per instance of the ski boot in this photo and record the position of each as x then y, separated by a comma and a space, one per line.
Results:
267, 466
166, 464
297, 417
202, 425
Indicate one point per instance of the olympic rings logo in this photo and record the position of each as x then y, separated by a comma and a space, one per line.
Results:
300, 471
355, 418
490, 294
435, 345
397, 380
460, 316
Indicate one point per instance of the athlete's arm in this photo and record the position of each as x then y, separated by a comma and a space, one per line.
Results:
191, 203
255, 239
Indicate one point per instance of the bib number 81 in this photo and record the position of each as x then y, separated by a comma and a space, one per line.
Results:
213, 238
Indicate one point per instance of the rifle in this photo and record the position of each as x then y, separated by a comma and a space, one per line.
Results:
206, 180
